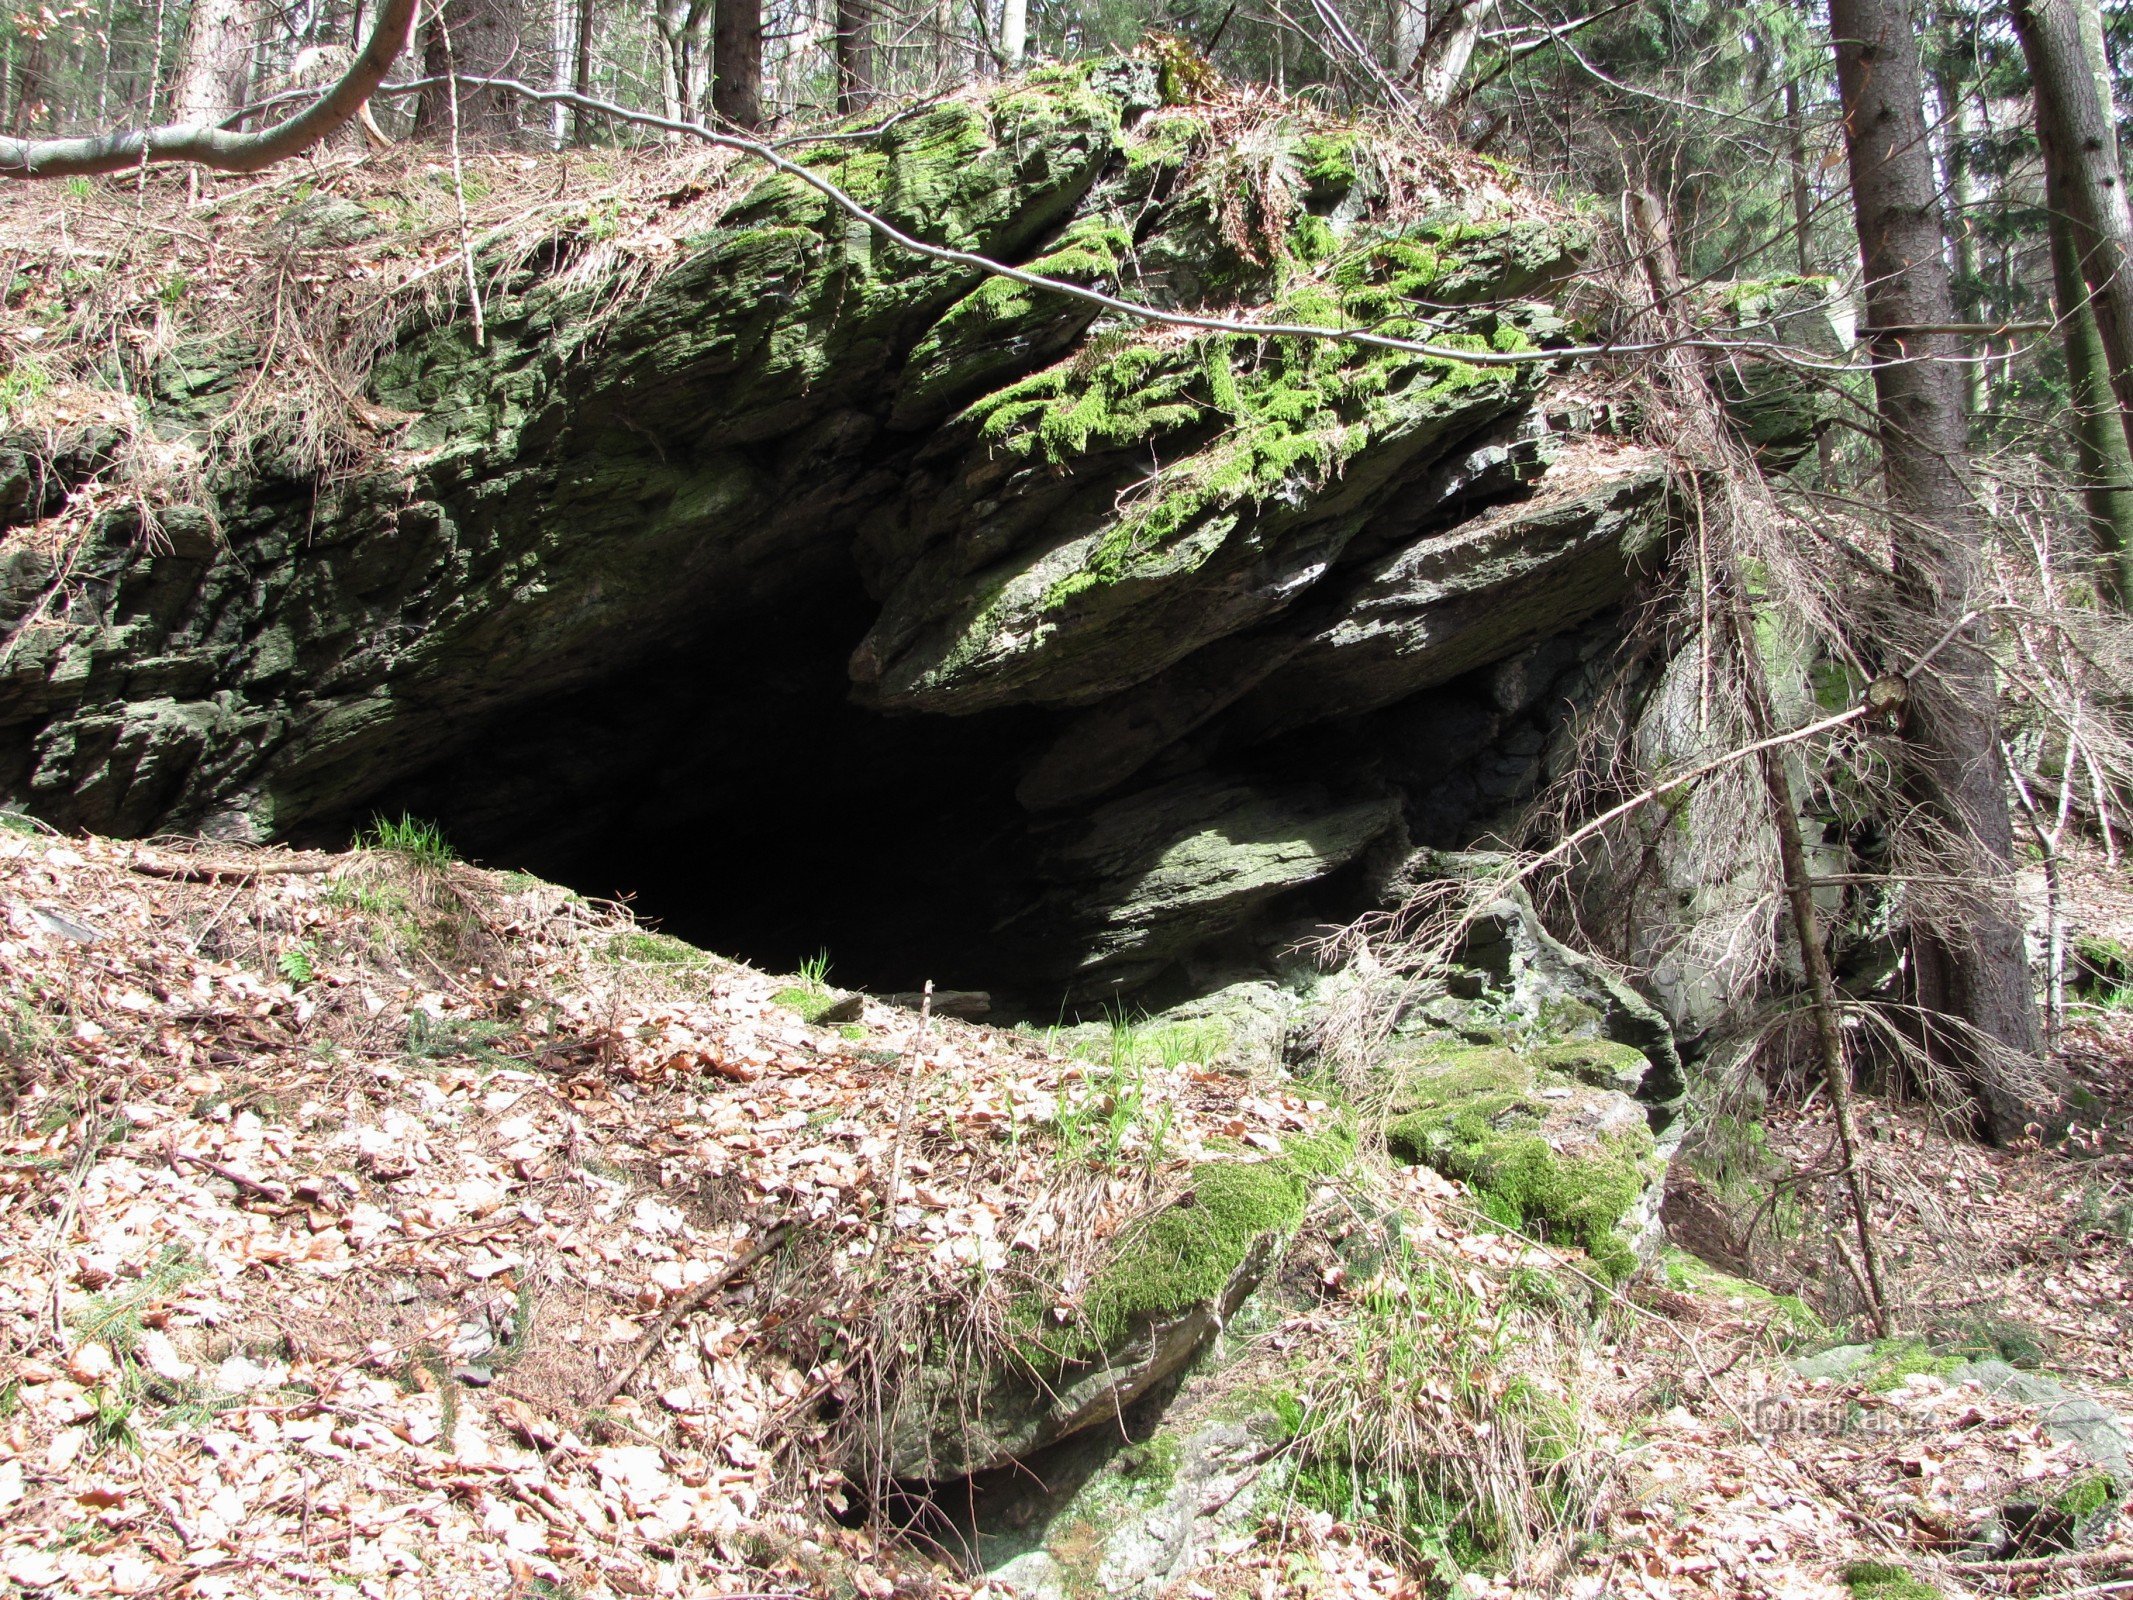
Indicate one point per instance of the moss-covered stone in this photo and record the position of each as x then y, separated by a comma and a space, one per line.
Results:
1601, 1063
1172, 1280
1189, 1253
1894, 1360
793, 416
1543, 1152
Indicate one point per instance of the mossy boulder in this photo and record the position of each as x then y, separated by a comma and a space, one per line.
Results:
1548, 1154
1173, 1279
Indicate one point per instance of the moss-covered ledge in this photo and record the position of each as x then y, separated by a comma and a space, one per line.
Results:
1171, 1281
1543, 1148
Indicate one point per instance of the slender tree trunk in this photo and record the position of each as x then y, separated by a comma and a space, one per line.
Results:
486, 42
1977, 972
2101, 454
31, 104
1802, 193
855, 56
581, 62
560, 34
737, 59
1014, 33
1410, 28
209, 83
2080, 143
1962, 233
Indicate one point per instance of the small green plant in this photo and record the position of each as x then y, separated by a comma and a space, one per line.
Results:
114, 1319
812, 995
22, 385
80, 188
174, 289
421, 844
1420, 1425
298, 963
446, 1038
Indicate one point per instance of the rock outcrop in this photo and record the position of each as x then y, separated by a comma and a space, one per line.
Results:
1118, 633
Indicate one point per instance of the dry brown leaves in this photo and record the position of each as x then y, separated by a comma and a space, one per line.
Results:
310, 1266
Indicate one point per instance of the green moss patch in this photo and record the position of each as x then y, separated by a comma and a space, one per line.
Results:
1498, 1121
1189, 1253
1894, 1360
1787, 1314
2090, 1495
1882, 1580
1600, 1062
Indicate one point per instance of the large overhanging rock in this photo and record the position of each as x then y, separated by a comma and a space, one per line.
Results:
630, 557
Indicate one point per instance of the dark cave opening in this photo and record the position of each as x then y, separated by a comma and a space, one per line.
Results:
737, 798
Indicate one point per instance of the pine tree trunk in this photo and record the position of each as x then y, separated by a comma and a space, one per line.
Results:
855, 56
2074, 125
209, 83
581, 62
2102, 454
2102, 457
737, 59
1962, 232
1802, 193
1978, 971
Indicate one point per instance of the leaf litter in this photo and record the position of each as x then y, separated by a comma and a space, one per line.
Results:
311, 1268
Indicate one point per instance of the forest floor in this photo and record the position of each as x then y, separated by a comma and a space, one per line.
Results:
337, 1193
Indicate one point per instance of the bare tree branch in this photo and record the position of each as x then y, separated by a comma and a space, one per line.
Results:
217, 147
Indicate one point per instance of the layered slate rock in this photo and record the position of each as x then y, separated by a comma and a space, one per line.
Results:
1146, 628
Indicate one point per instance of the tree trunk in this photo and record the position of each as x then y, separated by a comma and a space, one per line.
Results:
477, 39
855, 56
1962, 233
1972, 967
2081, 155
737, 59
2102, 457
581, 63
1802, 192
2102, 454
1014, 33
1442, 61
217, 58
1410, 29
561, 32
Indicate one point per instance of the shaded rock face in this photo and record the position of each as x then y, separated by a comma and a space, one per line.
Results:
824, 594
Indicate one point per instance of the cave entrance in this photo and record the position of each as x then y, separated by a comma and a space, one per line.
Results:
735, 796
731, 790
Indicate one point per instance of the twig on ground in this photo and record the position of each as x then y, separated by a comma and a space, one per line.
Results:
914, 1054
686, 1306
